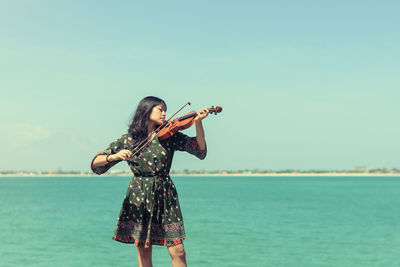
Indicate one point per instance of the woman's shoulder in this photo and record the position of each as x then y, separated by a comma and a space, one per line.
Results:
127, 136
126, 139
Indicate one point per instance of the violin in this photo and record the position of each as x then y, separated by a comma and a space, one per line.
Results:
172, 126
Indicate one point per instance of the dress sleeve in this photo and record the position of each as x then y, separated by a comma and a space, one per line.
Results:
183, 142
113, 148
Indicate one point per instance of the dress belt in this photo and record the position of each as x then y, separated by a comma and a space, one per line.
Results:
152, 176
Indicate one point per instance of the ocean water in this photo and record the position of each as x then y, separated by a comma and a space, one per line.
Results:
229, 221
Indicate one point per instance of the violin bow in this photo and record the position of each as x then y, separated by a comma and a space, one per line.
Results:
148, 139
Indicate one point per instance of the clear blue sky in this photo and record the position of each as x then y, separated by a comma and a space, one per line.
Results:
304, 84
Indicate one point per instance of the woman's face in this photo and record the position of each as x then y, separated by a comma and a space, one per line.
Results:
157, 115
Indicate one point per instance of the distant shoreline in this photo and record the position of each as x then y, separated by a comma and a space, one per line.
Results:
327, 174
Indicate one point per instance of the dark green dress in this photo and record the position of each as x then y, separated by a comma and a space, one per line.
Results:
150, 213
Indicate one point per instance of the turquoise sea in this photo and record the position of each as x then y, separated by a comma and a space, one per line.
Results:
229, 221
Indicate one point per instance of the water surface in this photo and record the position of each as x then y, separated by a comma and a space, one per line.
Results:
229, 221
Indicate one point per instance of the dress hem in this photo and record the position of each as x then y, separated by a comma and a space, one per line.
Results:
146, 244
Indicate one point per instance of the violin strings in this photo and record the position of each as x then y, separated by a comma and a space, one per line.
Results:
148, 139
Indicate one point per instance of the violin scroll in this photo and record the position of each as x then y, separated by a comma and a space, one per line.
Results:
215, 110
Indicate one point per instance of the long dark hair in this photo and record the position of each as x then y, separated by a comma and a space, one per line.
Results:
138, 128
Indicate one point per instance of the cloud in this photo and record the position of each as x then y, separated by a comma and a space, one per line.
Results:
33, 146
31, 133
21, 134
82, 141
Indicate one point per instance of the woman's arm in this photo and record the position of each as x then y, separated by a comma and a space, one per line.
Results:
101, 160
200, 137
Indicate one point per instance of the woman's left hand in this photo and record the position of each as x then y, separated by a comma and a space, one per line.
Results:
201, 114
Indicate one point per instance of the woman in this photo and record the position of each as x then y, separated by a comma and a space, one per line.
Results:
150, 214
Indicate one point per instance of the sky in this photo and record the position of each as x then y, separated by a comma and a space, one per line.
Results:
303, 84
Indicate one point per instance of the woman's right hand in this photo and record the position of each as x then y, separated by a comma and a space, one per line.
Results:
123, 154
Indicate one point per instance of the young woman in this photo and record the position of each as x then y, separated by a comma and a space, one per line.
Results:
150, 214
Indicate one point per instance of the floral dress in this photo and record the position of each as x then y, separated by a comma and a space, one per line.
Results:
150, 213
